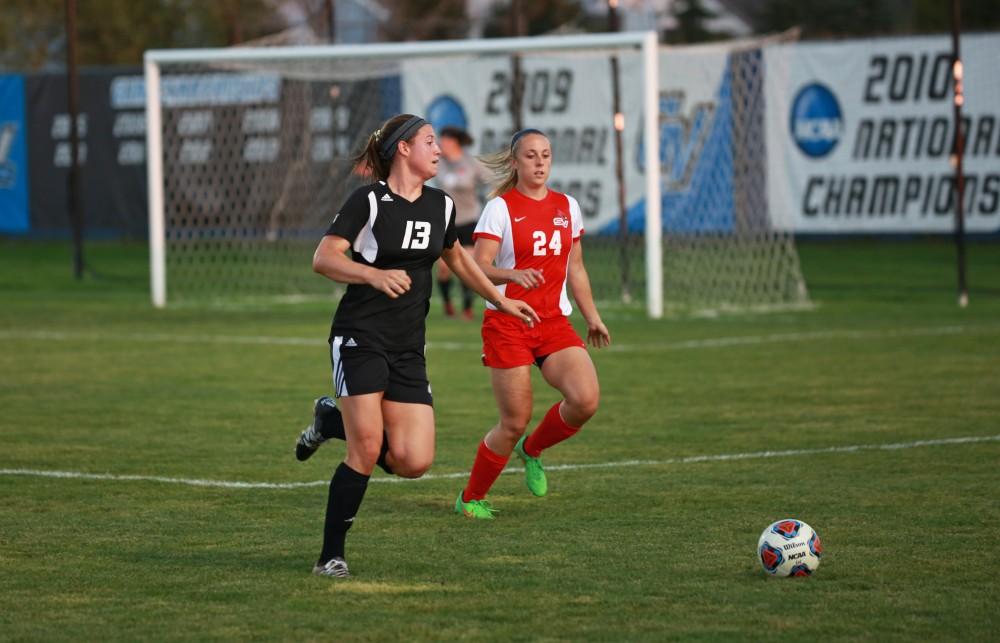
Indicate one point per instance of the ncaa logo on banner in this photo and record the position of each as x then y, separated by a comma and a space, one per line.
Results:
816, 120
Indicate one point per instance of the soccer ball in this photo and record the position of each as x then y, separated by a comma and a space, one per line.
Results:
789, 547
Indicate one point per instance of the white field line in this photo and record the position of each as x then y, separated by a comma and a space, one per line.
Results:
717, 342
694, 459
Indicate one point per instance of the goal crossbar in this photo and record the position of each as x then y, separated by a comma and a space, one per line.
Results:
403, 49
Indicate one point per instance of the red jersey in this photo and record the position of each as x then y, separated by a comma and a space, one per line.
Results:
535, 234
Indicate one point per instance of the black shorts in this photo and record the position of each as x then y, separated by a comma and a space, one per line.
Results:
465, 231
360, 367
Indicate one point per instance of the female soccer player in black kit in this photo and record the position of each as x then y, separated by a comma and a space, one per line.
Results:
395, 228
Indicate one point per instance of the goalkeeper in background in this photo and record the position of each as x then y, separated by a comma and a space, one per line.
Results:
460, 175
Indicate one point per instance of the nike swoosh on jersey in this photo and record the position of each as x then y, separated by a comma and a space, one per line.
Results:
519, 219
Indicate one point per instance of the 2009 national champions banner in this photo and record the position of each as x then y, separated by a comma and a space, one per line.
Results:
568, 97
860, 135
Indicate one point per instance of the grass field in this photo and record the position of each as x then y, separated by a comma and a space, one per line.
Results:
652, 542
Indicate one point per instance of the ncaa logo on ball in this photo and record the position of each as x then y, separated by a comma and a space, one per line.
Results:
816, 120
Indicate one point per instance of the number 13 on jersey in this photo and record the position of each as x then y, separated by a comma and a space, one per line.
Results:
542, 244
417, 236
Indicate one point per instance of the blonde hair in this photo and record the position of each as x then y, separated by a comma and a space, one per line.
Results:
502, 165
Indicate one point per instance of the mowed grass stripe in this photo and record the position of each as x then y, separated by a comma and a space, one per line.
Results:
722, 457
711, 342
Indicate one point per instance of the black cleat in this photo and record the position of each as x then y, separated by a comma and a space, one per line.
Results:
311, 438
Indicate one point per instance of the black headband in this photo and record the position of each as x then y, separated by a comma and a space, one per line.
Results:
521, 134
387, 148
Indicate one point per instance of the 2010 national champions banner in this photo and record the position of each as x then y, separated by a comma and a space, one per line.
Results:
860, 135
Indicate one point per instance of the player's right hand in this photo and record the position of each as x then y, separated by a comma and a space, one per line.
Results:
519, 309
527, 279
392, 282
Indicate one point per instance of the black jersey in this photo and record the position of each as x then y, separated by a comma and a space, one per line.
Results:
390, 233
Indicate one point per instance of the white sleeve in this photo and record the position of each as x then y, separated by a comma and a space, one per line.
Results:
494, 221
576, 217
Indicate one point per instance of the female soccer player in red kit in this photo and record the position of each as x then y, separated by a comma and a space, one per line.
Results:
528, 243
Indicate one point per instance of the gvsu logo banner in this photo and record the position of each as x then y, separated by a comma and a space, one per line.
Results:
696, 142
861, 135
13, 157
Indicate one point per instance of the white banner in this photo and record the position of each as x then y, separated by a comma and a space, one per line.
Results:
569, 97
859, 135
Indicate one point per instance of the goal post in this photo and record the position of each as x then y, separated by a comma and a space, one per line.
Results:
219, 121
154, 180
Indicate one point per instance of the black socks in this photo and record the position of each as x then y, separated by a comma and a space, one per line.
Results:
331, 422
381, 454
347, 489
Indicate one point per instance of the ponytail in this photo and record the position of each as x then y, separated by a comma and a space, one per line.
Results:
375, 158
502, 165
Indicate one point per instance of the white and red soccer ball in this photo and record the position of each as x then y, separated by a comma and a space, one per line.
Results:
789, 547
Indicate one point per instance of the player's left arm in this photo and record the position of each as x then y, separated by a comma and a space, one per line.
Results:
465, 268
579, 284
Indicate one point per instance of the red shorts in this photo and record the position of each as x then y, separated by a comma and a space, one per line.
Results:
508, 342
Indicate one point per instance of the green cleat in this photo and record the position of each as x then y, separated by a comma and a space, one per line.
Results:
534, 474
480, 509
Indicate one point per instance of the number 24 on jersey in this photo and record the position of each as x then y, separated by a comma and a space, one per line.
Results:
542, 244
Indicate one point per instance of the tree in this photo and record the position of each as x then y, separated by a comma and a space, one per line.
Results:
846, 18
117, 32
540, 17
826, 18
691, 16
426, 19
29, 31
934, 16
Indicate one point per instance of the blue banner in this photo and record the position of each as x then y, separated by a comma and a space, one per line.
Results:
13, 156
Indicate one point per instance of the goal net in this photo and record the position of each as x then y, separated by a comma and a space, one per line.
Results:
249, 158
249, 149
725, 247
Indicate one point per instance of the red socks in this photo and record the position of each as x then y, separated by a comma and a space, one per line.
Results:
488, 465
485, 471
551, 430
